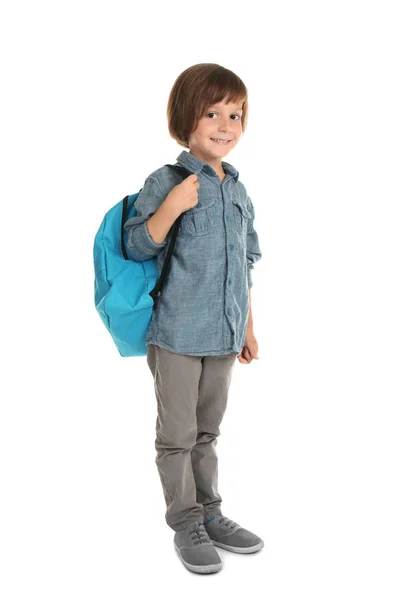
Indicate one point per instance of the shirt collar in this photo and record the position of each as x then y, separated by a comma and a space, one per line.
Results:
194, 165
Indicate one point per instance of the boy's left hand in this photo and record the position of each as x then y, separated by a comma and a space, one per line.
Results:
250, 348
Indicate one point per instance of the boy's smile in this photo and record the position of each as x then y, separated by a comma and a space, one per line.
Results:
222, 122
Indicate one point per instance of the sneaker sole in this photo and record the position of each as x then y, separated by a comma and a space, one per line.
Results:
199, 568
239, 550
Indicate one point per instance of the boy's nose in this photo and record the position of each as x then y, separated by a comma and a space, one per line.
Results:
225, 127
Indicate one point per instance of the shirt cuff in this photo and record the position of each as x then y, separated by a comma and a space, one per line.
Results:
144, 241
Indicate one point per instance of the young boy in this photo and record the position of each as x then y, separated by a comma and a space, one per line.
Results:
202, 321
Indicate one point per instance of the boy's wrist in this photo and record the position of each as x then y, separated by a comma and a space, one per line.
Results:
170, 207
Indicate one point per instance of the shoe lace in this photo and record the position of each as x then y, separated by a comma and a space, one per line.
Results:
199, 536
227, 522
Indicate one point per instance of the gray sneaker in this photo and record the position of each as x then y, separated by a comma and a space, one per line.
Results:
196, 550
227, 534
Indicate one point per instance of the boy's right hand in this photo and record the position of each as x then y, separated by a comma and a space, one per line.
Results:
184, 196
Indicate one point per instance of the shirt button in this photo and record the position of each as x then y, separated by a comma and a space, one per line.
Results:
230, 281
231, 246
229, 312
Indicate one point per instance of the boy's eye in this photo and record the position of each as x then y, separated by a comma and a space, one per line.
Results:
214, 113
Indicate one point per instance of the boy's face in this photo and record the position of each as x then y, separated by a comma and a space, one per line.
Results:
221, 121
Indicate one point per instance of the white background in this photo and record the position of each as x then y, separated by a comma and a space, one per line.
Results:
309, 446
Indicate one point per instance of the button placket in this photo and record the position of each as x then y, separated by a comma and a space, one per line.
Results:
230, 248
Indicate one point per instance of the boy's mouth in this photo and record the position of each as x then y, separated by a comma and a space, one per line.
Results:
221, 141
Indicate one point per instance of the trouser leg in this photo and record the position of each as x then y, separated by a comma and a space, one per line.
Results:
176, 383
214, 385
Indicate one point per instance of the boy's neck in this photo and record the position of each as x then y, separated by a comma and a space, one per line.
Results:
215, 163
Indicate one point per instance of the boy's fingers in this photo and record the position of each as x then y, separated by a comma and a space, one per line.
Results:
247, 354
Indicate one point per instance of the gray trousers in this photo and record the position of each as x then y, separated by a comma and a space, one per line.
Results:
192, 394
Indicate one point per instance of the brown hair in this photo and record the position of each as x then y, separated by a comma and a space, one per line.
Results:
197, 88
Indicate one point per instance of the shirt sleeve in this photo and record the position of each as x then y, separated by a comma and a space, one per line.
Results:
139, 244
253, 252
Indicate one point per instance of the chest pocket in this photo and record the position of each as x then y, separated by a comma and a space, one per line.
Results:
201, 219
241, 216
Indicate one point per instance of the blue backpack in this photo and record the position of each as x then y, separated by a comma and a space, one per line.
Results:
125, 291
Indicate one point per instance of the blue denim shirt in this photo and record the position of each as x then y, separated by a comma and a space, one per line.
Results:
203, 308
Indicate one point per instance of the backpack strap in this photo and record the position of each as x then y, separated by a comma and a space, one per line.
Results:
156, 291
123, 220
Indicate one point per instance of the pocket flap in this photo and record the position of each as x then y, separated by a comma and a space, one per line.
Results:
243, 209
203, 202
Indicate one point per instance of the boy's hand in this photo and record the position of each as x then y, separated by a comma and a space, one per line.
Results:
250, 348
184, 196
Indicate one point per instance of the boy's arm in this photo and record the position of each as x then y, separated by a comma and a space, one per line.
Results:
146, 232
250, 321
253, 251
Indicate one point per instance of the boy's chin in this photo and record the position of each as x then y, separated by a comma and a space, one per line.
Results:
220, 151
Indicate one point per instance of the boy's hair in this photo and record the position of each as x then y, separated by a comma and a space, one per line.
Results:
197, 88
